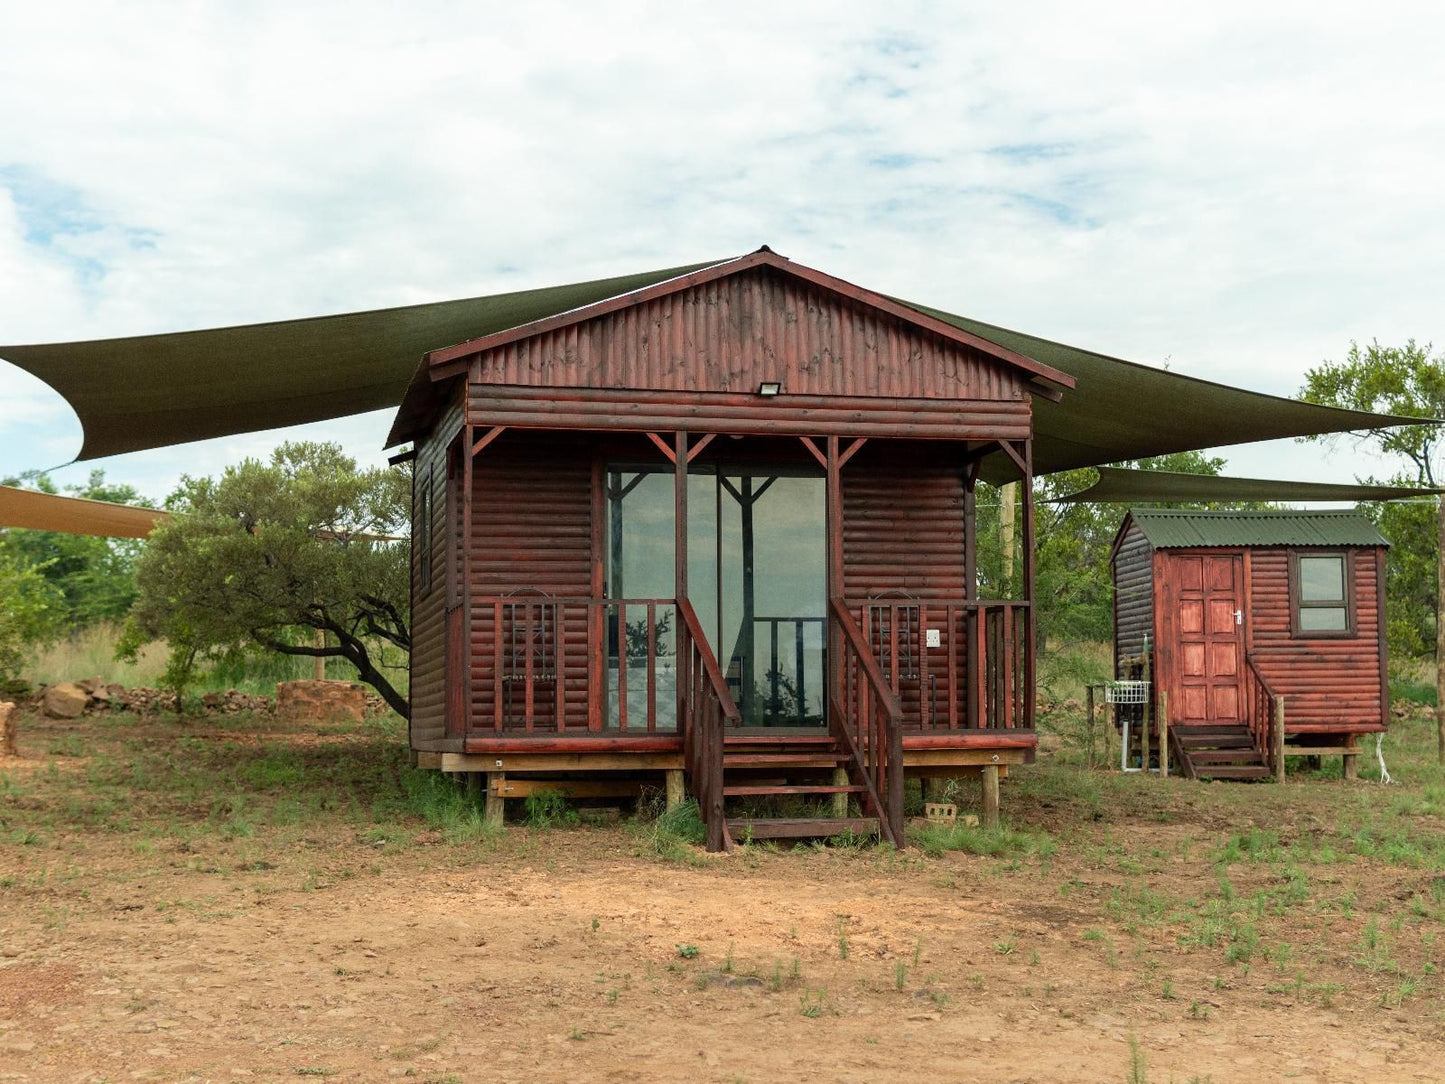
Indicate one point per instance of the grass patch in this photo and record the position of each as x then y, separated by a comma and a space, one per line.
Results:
1001, 842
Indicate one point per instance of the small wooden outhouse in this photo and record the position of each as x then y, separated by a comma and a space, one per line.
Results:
1262, 633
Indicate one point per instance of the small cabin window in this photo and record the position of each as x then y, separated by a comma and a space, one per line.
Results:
1321, 590
423, 531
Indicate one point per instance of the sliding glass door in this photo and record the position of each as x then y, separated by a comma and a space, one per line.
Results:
756, 571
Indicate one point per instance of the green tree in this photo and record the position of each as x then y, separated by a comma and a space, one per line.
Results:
1073, 589
31, 612
95, 577
269, 553
1404, 380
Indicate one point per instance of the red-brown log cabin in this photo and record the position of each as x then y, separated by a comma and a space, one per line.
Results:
1264, 629
721, 528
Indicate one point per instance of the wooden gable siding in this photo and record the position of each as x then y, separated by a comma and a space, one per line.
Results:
531, 534
1133, 596
734, 333
903, 538
428, 677
1328, 683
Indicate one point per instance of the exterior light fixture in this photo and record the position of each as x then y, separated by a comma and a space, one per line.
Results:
769, 388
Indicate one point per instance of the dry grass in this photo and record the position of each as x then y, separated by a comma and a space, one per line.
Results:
90, 652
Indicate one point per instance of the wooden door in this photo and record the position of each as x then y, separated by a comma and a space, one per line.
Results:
1209, 630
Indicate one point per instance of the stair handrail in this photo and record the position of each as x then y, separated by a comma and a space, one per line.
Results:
707, 708
1262, 721
876, 749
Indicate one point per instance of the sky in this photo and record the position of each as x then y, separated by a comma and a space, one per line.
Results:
1235, 191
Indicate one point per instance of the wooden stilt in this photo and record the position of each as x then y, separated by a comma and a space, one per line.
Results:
673, 782
496, 800
1352, 760
990, 795
840, 801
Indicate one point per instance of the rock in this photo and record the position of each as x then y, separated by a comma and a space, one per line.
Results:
9, 713
91, 684
318, 701
65, 701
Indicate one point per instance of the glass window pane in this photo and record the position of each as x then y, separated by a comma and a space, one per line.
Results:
1322, 579
1323, 619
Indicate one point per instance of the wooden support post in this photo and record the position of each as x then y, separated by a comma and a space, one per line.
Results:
1089, 711
840, 801
1278, 735
493, 817
1352, 760
679, 564
1031, 628
990, 795
1164, 734
970, 591
673, 782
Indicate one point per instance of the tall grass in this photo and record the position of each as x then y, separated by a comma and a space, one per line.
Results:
90, 652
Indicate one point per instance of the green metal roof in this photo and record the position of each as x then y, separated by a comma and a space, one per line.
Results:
1120, 485
1181, 529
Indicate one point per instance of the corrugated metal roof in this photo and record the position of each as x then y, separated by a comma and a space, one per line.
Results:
1179, 529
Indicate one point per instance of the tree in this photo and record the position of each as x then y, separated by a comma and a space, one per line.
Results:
95, 577
31, 612
1073, 589
1405, 380
268, 554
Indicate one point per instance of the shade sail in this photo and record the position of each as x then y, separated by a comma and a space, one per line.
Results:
158, 390
1122, 486
75, 515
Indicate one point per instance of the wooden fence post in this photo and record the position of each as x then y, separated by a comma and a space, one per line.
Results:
1164, 734
1278, 737
1089, 708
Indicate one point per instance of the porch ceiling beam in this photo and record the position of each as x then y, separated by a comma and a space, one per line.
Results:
662, 447
492, 434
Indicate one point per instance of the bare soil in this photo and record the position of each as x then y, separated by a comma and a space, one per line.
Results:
155, 943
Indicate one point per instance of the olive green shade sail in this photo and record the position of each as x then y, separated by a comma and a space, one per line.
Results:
1120, 485
158, 390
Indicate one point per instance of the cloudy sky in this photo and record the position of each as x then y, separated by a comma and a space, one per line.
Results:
1234, 190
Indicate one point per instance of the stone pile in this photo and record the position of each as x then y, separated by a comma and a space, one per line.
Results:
304, 700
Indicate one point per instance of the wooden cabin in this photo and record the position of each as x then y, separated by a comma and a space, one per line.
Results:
719, 532
1262, 633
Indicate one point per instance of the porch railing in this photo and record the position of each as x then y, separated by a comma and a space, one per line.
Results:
707, 708
866, 719
528, 644
976, 676
1263, 719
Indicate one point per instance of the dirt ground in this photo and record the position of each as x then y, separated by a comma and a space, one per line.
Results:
155, 943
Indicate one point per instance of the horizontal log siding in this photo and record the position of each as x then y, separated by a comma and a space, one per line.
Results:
532, 531
903, 531
1327, 683
736, 332
1133, 596
428, 677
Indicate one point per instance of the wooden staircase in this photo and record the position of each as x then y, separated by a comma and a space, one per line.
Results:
1218, 752
758, 764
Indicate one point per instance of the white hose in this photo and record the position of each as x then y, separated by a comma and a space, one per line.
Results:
1380, 753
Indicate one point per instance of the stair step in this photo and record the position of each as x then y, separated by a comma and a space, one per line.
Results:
1209, 731
767, 789
785, 760
783, 738
789, 828
1241, 741
1224, 756
1252, 771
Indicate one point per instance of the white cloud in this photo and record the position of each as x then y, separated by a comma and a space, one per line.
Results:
1238, 188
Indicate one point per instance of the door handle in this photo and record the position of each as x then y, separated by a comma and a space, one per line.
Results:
1239, 617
